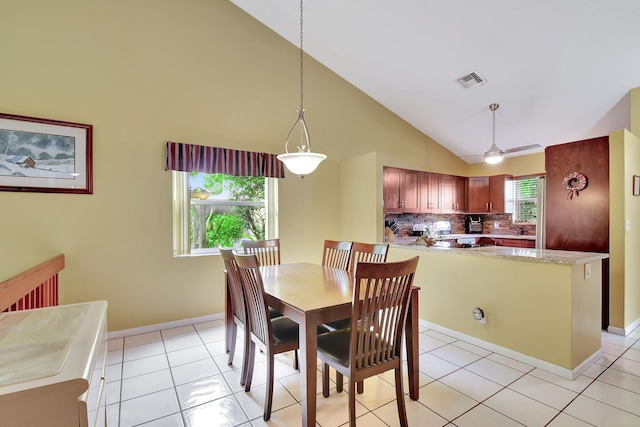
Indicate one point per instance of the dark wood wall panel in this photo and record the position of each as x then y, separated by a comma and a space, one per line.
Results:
581, 223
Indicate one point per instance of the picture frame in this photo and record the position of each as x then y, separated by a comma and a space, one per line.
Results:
46, 156
636, 185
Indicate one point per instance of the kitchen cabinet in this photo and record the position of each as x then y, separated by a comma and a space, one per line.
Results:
53, 366
401, 190
514, 243
430, 192
453, 194
486, 193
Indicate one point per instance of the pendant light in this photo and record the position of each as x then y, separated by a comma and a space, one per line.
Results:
302, 162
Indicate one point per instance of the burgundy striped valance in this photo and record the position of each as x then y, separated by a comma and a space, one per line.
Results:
198, 158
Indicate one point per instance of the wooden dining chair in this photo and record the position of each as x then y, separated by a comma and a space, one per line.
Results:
373, 343
367, 252
267, 251
336, 254
272, 336
238, 308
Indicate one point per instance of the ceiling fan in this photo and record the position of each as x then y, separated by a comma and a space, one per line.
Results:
494, 154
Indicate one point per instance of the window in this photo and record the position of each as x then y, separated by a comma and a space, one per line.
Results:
218, 210
522, 199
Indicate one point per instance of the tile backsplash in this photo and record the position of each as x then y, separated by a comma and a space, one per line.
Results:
405, 223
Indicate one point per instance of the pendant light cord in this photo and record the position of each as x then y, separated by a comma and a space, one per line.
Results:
301, 111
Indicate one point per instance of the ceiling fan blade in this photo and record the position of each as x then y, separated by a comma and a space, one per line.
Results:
523, 148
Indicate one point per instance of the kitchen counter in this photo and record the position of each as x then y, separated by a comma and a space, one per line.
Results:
523, 254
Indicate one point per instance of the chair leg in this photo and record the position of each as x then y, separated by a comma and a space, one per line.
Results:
296, 363
360, 387
402, 410
352, 403
250, 363
232, 342
245, 359
325, 380
268, 400
339, 380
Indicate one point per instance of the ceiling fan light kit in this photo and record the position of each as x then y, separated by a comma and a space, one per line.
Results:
494, 155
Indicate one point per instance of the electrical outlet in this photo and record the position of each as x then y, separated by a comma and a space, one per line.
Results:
587, 270
496, 224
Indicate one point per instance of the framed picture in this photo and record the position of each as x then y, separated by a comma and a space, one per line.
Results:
636, 185
47, 156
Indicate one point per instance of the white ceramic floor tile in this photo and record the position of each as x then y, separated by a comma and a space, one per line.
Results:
606, 360
445, 401
213, 335
144, 366
439, 335
543, 391
194, 371
143, 350
617, 339
183, 341
115, 344
140, 339
285, 417
632, 354
334, 410
377, 392
180, 331
472, 348
188, 355
219, 348
148, 408
627, 365
483, 416
434, 366
594, 370
112, 392
114, 356
223, 412
455, 355
614, 396
470, 384
512, 363
521, 408
146, 384
113, 415
613, 349
494, 371
621, 379
369, 420
233, 379
292, 384
390, 377
417, 414
601, 414
428, 343
113, 373
202, 391
252, 402
577, 385
211, 324
174, 420
564, 420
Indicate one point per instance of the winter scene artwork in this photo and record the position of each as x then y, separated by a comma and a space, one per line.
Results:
44, 155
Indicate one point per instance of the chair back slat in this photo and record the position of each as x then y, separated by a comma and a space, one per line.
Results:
258, 311
267, 251
336, 254
234, 284
381, 300
367, 252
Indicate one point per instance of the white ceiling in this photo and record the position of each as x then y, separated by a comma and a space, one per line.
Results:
561, 70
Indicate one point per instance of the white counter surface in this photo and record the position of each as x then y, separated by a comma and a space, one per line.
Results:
522, 254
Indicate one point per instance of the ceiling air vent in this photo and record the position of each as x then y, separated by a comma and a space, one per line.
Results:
471, 80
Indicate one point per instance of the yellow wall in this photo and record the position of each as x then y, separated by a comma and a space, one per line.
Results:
632, 237
616, 229
529, 164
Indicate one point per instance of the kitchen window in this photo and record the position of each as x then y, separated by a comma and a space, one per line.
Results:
521, 198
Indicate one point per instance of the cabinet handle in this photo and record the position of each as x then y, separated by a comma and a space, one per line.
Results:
491, 206
487, 206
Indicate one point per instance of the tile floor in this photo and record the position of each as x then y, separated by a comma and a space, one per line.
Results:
180, 377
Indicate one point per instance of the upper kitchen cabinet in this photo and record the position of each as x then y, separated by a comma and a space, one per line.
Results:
486, 193
401, 191
430, 192
453, 194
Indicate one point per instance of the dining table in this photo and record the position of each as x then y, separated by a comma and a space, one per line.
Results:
311, 295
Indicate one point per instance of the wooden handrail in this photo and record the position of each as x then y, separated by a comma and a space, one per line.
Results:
15, 289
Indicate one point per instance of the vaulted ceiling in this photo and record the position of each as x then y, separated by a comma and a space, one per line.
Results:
560, 70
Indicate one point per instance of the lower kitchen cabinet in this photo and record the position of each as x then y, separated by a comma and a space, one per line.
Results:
514, 243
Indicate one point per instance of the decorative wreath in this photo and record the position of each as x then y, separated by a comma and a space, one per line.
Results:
574, 190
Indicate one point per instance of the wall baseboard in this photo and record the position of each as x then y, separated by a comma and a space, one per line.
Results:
166, 325
626, 331
570, 374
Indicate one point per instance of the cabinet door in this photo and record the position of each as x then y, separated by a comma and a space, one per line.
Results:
478, 194
496, 193
447, 192
460, 193
430, 192
392, 194
411, 196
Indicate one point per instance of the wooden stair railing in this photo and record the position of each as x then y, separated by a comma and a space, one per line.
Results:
34, 288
